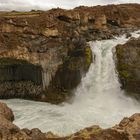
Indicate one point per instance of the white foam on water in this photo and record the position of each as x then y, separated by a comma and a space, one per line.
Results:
98, 99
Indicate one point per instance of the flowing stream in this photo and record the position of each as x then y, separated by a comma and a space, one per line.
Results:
98, 99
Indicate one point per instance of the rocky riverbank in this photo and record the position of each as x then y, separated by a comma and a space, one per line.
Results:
43, 54
127, 129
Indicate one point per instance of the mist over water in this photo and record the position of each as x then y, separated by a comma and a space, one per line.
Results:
98, 99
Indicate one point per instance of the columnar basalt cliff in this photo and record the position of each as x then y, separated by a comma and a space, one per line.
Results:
127, 129
53, 47
128, 65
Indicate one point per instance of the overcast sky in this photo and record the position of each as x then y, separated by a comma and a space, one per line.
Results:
47, 4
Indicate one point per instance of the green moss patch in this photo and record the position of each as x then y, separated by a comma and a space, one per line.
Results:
125, 74
55, 97
88, 56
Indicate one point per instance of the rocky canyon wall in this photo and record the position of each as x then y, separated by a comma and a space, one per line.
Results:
128, 65
53, 45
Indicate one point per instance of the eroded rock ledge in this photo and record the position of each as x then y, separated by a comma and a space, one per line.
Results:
127, 129
53, 45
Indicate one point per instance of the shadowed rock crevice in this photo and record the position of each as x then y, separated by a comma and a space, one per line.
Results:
19, 70
64, 18
19, 78
113, 22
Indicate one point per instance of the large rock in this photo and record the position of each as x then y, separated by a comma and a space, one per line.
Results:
131, 126
128, 65
7, 128
9, 131
6, 112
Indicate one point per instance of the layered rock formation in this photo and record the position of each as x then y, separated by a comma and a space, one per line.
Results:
127, 129
128, 65
53, 47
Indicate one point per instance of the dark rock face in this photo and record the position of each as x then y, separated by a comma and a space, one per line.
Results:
128, 65
69, 74
19, 70
19, 79
77, 62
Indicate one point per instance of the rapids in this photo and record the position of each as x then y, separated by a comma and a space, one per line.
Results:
98, 99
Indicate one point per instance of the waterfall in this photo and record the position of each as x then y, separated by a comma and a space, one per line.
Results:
98, 99
102, 78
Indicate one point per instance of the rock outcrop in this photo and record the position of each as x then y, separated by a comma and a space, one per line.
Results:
49, 48
127, 129
6, 112
128, 65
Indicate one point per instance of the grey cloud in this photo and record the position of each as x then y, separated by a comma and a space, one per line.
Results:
47, 4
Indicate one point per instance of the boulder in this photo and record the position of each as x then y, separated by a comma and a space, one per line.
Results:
6, 112
7, 128
50, 32
131, 126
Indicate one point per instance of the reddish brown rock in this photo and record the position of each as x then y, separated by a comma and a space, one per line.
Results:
6, 112
131, 126
7, 128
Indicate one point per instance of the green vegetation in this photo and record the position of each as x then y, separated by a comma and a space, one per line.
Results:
88, 54
16, 13
125, 74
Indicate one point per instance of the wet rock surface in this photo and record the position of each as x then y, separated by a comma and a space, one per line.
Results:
128, 65
127, 129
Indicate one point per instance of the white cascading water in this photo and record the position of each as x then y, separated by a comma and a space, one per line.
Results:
98, 99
